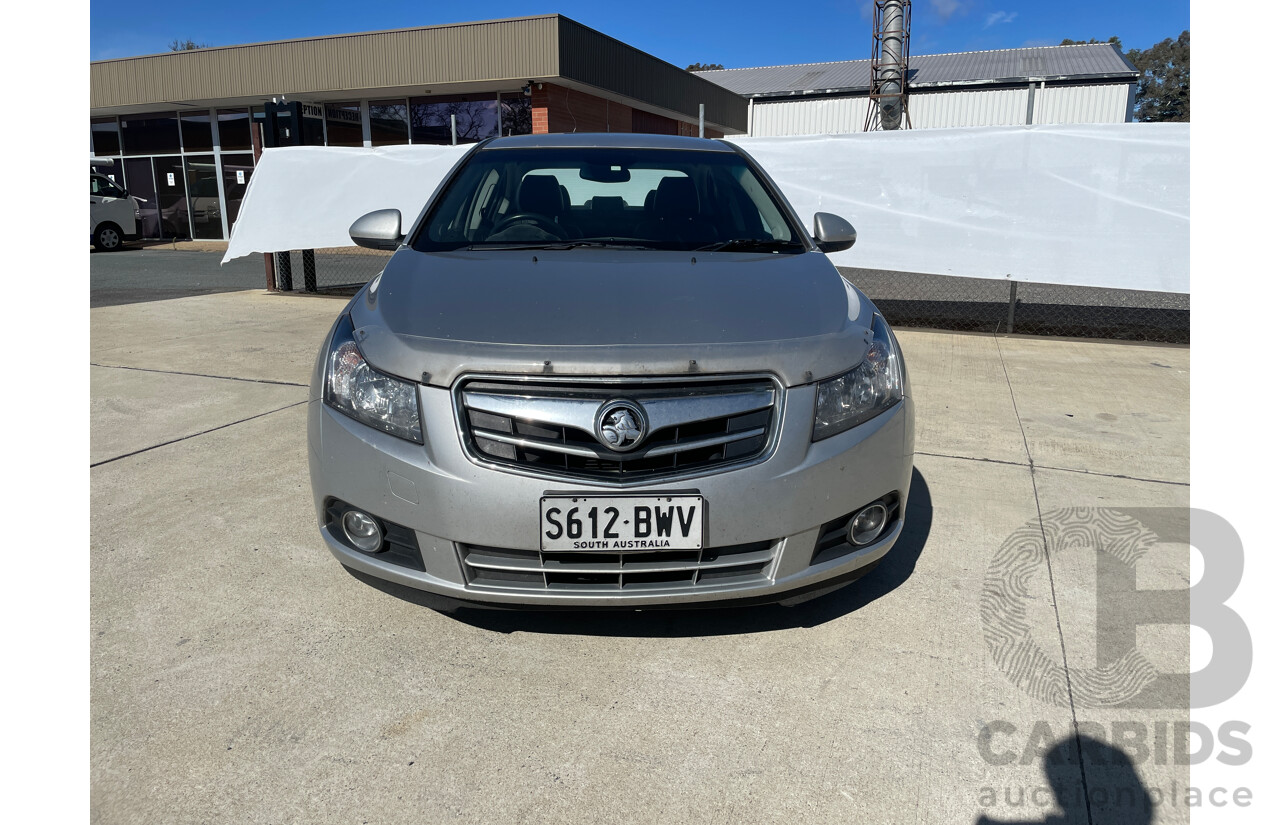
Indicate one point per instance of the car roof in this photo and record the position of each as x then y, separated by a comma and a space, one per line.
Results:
612, 140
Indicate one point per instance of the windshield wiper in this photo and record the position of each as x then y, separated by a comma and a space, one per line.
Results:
750, 245
557, 245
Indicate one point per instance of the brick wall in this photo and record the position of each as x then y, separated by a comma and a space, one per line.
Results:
558, 109
691, 130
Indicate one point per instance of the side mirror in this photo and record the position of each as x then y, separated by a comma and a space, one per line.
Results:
832, 232
378, 230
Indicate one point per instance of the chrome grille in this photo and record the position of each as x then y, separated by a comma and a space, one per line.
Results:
501, 568
547, 427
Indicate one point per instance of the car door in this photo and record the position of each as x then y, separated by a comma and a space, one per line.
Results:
109, 203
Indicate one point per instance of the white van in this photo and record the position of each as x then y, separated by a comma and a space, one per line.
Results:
113, 212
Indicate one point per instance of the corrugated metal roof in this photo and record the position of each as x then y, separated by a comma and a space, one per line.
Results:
1095, 61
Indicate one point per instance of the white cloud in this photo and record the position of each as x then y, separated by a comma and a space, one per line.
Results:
999, 17
945, 8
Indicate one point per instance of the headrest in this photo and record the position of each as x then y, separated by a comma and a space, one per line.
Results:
539, 193
612, 203
676, 197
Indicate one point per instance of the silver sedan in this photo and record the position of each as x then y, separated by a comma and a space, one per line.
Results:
610, 371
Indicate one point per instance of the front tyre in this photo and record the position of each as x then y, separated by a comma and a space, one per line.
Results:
107, 238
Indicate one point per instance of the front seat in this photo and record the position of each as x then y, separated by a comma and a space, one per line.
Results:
539, 199
675, 215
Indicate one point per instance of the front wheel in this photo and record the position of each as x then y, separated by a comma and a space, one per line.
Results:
107, 238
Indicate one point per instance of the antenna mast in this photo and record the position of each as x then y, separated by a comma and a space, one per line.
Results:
890, 52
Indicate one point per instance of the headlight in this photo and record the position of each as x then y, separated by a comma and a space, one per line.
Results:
863, 392
353, 387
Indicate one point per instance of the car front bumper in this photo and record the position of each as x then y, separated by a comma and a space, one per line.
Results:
779, 513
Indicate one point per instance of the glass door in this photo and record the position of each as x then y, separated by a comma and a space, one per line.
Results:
171, 192
205, 206
141, 184
236, 170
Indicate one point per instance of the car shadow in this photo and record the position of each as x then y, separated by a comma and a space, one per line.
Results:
896, 567
1087, 780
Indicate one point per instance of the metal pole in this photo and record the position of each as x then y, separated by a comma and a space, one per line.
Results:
285, 267
453, 128
702, 119
309, 270
1013, 302
255, 137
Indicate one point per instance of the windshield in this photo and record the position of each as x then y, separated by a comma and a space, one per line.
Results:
102, 185
648, 198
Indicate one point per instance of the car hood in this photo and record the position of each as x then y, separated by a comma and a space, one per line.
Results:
610, 312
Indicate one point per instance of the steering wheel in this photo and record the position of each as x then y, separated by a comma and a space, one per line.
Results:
540, 221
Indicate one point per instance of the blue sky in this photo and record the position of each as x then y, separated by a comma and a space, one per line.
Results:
737, 34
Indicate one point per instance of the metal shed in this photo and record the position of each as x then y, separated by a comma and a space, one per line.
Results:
1091, 83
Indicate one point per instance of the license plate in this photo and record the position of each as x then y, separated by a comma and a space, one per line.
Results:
621, 523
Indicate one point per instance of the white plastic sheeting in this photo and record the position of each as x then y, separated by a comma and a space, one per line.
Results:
1096, 205
307, 197
1090, 205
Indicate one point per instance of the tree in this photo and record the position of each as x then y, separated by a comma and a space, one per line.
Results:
1164, 90
1164, 87
704, 67
187, 45
1113, 40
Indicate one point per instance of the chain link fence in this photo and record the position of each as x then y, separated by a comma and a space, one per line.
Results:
341, 270
906, 299
1000, 306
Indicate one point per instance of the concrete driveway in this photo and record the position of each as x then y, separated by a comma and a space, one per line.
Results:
240, 674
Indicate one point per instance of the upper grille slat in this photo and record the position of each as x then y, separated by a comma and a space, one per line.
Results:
548, 427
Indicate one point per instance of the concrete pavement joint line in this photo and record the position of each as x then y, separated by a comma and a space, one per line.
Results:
197, 375
194, 435
1053, 590
1057, 469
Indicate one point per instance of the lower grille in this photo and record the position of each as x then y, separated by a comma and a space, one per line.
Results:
496, 567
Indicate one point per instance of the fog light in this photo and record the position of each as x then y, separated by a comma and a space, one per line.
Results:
867, 525
362, 531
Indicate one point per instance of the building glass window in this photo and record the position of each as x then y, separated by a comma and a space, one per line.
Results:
106, 136
312, 125
476, 116
233, 129
236, 171
517, 115
388, 122
197, 133
150, 134
343, 123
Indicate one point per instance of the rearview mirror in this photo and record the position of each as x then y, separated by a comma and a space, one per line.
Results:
604, 173
378, 230
832, 232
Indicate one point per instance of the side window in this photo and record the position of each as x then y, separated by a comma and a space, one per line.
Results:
763, 206
480, 208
